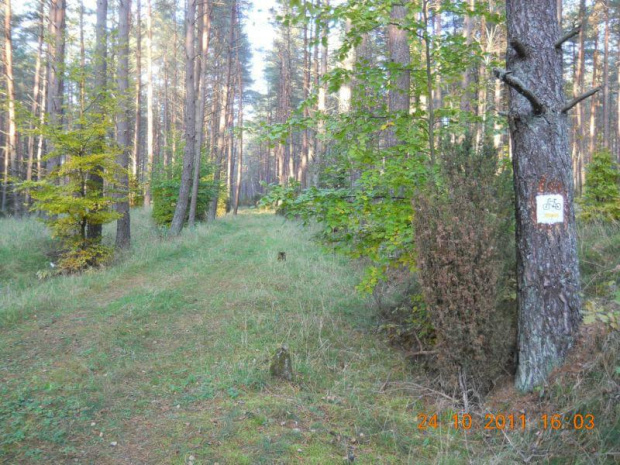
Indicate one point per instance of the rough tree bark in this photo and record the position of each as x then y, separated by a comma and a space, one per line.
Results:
547, 263
305, 146
36, 92
322, 101
224, 116
204, 12
400, 57
180, 211
618, 108
579, 135
429, 83
123, 226
136, 160
150, 129
55, 71
101, 41
240, 150
606, 88
11, 153
344, 97
593, 106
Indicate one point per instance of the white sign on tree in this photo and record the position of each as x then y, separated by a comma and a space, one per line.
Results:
549, 209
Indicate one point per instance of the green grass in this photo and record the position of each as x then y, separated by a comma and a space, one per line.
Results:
166, 354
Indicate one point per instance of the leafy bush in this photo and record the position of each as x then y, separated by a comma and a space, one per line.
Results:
165, 188
601, 200
463, 224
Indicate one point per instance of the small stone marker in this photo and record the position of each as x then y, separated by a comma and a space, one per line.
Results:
549, 209
281, 366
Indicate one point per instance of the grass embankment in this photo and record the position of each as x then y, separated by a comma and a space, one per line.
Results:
164, 358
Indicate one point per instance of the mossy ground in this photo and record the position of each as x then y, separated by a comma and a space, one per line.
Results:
163, 357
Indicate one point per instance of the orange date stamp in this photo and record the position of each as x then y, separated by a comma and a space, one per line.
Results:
500, 421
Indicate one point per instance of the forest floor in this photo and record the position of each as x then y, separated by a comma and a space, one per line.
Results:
164, 358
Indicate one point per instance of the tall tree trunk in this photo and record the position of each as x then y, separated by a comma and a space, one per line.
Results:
41, 123
437, 28
175, 86
594, 105
167, 110
225, 109
219, 152
150, 124
400, 57
240, 151
322, 103
579, 138
429, 83
12, 147
305, 142
82, 62
468, 33
344, 100
180, 211
123, 225
136, 160
101, 40
606, 89
36, 94
314, 144
55, 79
618, 105
204, 11
547, 263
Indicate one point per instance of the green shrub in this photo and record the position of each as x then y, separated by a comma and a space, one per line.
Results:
165, 188
601, 199
464, 224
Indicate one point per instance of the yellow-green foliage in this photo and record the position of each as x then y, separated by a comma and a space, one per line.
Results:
601, 200
69, 198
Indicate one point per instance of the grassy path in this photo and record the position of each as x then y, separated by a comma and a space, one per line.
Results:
164, 358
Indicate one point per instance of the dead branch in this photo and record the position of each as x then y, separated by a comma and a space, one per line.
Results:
520, 87
576, 100
569, 35
520, 48
421, 352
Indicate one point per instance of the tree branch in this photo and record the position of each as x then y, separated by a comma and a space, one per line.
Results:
576, 100
520, 48
569, 35
520, 87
